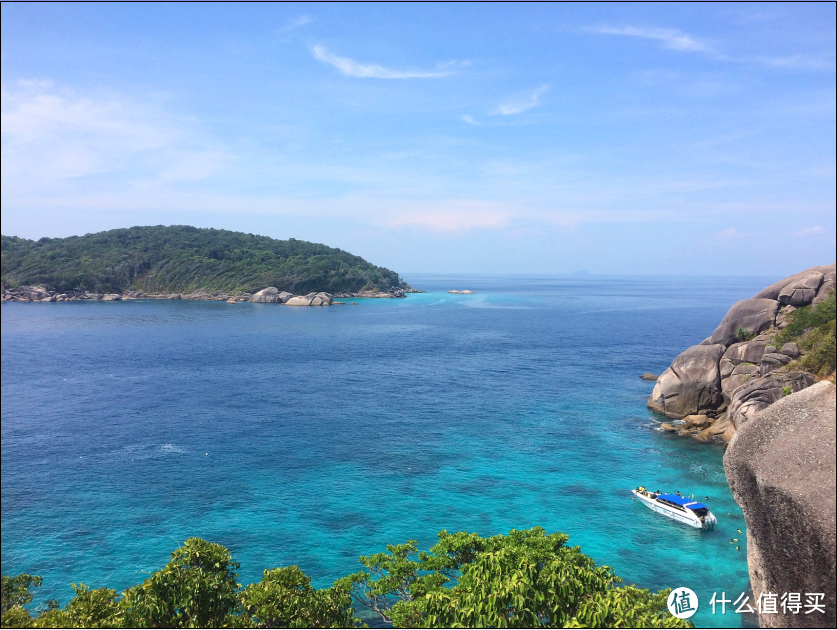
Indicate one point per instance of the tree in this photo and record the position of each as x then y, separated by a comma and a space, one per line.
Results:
526, 579
284, 598
196, 589
14, 591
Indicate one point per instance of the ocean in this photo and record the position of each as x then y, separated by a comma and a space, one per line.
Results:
310, 436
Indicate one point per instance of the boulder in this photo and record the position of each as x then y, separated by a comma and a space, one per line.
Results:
111, 297
691, 384
760, 392
825, 288
647, 376
299, 300
737, 378
745, 352
791, 350
312, 299
773, 361
801, 280
699, 421
801, 290
722, 428
782, 316
270, 295
754, 315
781, 469
321, 299
284, 296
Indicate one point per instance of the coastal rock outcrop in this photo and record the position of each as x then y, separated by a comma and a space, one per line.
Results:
269, 295
692, 383
736, 372
312, 299
754, 316
758, 393
781, 468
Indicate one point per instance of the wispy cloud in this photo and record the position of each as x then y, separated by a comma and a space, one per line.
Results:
295, 23
808, 231
352, 68
52, 135
521, 103
670, 37
470, 120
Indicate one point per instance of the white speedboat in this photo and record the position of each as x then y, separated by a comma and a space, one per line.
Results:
679, 508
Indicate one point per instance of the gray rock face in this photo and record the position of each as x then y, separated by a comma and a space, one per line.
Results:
737, 378
781, 469
312, 299
745, 352
691, 384
760, 392
284, 296
754, 315
825, 288
270, 295
801, 280
791, 350
773, 361
647, 376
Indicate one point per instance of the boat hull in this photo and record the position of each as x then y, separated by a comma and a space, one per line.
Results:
685, 517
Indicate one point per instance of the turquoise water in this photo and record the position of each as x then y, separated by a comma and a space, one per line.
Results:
311, 436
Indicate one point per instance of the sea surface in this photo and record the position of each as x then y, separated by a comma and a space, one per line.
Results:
311, 436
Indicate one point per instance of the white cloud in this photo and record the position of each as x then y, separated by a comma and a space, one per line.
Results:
297, 22
808, 231
521, 103
671, 38
352, 68
52, 135
470, 120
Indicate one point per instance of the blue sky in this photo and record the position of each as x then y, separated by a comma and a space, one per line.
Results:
674, 139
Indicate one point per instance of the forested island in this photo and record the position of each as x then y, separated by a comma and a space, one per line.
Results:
185, 259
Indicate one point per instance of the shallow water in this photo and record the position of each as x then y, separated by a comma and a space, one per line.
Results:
311, 436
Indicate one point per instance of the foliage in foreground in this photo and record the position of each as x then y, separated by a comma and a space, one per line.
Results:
181, 258
812, 327
526, 579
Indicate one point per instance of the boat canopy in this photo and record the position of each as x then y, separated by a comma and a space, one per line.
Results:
683, 501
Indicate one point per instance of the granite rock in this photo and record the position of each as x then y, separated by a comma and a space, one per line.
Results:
692, 383
762, 392
781, 469
754, 315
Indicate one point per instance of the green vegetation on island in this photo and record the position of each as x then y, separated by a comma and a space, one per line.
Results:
181, 258
812, 328
523, 580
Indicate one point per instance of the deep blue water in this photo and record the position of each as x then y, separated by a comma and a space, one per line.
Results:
310, 436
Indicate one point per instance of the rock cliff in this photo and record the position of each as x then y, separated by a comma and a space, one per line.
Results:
735, 372
781, 468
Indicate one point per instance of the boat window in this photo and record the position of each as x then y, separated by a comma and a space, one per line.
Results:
701, 511
670, 504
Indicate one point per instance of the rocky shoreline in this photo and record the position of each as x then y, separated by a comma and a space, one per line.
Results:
268, 295
714, 388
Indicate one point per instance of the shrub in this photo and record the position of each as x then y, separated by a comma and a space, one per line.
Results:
742, 334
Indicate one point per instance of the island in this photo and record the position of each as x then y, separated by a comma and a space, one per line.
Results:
184, 262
